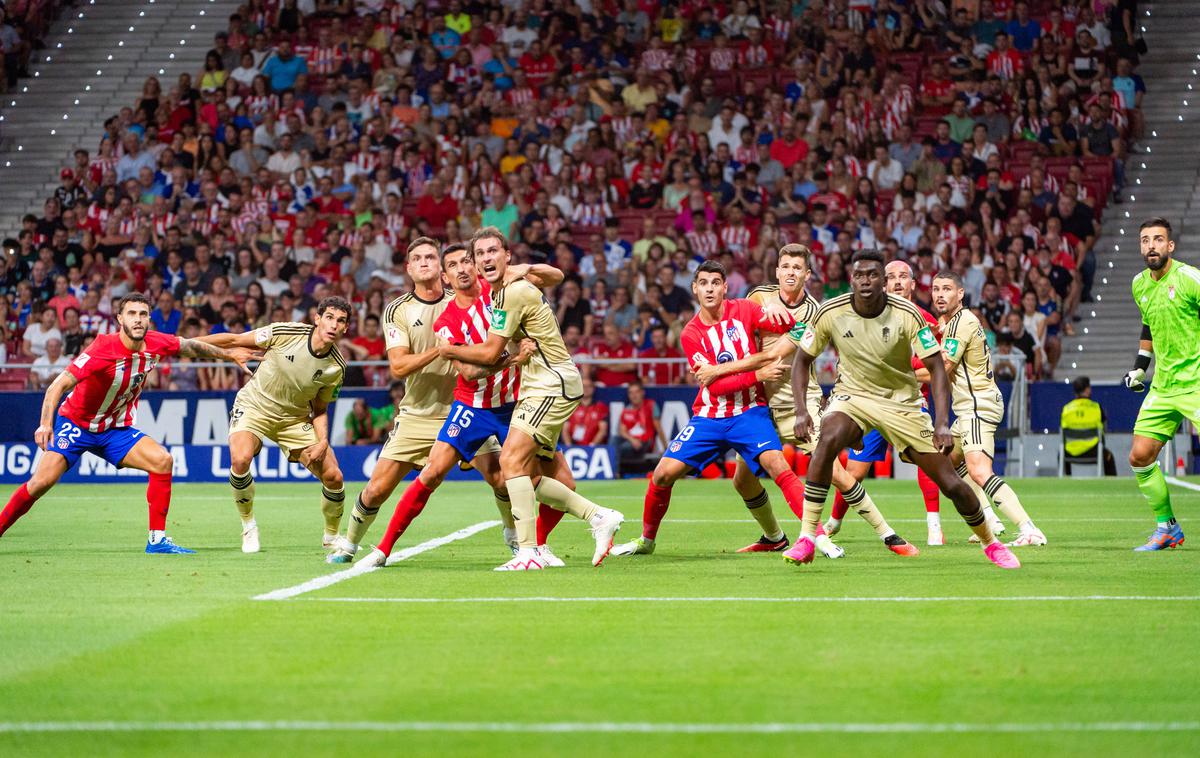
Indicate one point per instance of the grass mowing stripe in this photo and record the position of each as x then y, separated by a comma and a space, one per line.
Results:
639, 599
359, 569
605, 727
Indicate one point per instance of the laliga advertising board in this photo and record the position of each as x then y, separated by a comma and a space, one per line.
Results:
194, 429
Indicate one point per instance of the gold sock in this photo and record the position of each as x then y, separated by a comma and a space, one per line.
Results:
984, 503
760, 508
561, 497
361, 518
815, 496
504, 506
333, 502
524, 510
1007, 501
858, 499
243, 495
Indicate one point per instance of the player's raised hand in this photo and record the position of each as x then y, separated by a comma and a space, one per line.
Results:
943, 440
803, 427
42, 436
243, 355
772, 372
777, 314
1136, 380
515, 272
314, 453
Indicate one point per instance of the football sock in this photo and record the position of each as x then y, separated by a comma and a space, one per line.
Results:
547, 519
984, 503
18, 505
1152, 483
524, 510
504, 505
658, 500
862, 504
760, 508
558, 495
412, 502
933, 520
793, 491
158, 497
333, 502
361, 518
243, 495
971, 510
840, 506
929, 491
1007, 501
815, 496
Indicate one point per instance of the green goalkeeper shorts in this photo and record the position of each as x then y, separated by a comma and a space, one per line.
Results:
1161, 415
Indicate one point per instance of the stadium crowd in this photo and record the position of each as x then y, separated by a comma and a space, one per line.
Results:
624, 142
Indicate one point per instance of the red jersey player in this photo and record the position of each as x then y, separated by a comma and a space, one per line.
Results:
730, 413
104, 383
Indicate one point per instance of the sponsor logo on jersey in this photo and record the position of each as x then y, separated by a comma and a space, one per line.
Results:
317, 375
724, 356
291, 358
926, 338
499, 319
951, 346
887, 333
797, 331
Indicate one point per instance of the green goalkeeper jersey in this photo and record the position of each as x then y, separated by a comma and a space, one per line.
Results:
1170, 306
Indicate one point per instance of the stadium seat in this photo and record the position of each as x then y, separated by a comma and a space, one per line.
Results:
1095, 457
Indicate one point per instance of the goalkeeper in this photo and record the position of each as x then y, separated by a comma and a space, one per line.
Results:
1168, 295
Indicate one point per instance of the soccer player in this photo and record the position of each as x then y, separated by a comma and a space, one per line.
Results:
287, 401
1168, 295
900, 282
104, 383
978, 405
730, 412
792, 271
550, 389
876, 335
484, 399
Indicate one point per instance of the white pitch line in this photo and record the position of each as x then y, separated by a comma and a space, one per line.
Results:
1079, 520
1181, 483
600, 727
360, 568
639, 599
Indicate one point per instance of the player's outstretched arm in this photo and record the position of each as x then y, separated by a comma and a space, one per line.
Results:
486, 353
239, 353
471, 372
226, 340
781, 350
1136, 379
403, 362
64, 383
540, 275
939, 385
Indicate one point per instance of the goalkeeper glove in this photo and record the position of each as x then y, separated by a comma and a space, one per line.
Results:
1136, 380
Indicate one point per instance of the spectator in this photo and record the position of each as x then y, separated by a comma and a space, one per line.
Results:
670, 371
588, 425
639, 433
165, 317
49, 365
360, 429
39, 333
1026, 343
614, 347
1083, 413
282, 68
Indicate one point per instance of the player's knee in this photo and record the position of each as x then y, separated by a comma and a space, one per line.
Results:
662, 476
432, 476
332, 478
512, 464
163, 463
239, 462
1141, 458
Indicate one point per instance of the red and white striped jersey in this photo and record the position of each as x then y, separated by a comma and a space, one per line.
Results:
1051, 184
656, 60
520, 96
754, 56
722, 58
704, 244
469, 326
111, 378
736, 239
259, 105
591, 214
324, 60
732, 338
780, 27
162, 223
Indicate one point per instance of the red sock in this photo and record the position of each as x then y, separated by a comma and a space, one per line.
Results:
547, 519
658, 500
158, 495
18, 505
929, 491
412, 502
793, 491
840, 506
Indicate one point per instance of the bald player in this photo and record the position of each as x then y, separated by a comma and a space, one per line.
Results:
876, 336
792, 272
978, 405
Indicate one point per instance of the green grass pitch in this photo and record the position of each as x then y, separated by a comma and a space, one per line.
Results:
93, 630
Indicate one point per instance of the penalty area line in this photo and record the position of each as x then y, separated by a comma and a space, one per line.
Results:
719, 599
599, 727
359, 569
1180, 483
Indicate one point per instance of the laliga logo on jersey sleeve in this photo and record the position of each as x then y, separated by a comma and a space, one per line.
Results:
724, 356
1171, 291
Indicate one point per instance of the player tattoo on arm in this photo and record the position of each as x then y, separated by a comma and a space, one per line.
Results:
64, 383
194, 348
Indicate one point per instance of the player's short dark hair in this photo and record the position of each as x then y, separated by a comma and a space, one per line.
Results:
951, 275
133, 297
1081, 384
336, 303
867, 254
1156, 221
451, 249
709, 267
484, 233
418, 242
796, 250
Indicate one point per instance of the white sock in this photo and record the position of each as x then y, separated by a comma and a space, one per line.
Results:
934, 520
776, 537
889, 533
834, 521
247, 525
156, 536
1027, 526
